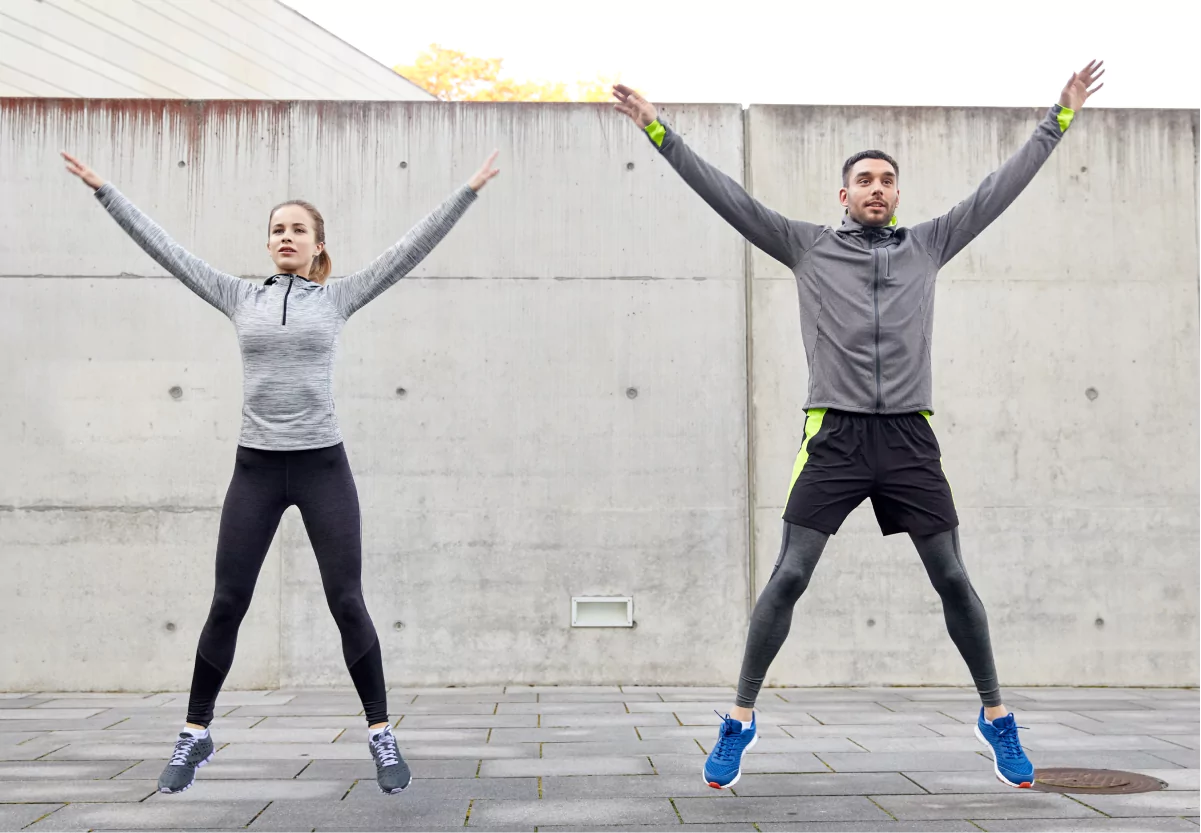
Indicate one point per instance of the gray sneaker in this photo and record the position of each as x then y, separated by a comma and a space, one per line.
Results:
190, 754
391, 772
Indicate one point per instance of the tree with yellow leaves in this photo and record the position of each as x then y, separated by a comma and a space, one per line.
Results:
455, 76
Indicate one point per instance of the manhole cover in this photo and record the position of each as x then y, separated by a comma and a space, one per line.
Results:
1098, 781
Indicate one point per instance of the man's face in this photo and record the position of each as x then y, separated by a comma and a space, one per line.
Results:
871, 193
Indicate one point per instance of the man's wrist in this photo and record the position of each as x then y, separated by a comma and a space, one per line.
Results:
656, 131
1064, 116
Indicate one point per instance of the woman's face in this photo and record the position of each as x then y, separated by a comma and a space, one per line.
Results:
291, 241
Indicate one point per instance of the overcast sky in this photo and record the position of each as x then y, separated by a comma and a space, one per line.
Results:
906, 52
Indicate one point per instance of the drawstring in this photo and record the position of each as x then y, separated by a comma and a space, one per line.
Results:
284, 322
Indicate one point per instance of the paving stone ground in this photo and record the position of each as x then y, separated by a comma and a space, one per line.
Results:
540, 758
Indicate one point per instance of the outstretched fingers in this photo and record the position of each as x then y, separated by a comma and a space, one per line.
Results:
1092, 72
74, 165
1090, 75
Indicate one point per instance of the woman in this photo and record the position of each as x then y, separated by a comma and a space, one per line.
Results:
290, 451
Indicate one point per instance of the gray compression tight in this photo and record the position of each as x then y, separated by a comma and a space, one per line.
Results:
799, 553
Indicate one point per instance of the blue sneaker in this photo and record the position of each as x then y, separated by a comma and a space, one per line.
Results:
724, 766
1009, 761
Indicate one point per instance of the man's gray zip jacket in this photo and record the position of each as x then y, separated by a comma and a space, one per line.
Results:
866, 294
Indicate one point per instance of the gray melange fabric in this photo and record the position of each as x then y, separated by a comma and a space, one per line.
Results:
866, 294
288, 328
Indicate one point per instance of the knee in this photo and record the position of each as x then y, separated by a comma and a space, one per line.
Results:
789, 582
229, 607
350, 611
953, 586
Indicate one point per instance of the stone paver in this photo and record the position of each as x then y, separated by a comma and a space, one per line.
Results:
449, 789
486, 814
877, 827
630, 765
73, 790
396, 814
1182, 757
224, 769
16, 816
1141, 825
651, 828
593, 758
1176, 779
830, 783
1175, 803
365, 769
1013, 805
63, 770
815, 808
147, 816
628, 786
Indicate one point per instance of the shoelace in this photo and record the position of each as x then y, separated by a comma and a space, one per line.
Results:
1008, 739
725, 751
384, 747
183, 748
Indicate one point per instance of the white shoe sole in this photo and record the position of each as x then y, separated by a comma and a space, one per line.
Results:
1025, 785
749, 747
185, 787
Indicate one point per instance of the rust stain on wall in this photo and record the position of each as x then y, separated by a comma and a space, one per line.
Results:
185, 128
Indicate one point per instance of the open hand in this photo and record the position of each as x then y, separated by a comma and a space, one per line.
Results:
485, 173
1080, 86
634, 105
82, 171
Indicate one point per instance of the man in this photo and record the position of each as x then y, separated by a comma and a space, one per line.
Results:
867, 295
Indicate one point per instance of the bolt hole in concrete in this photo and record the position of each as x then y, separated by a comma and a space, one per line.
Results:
871, 623
632, 393
629, 166
401, 392
176, 392
404, 164
1092, 394
1095, 781
1100, 623
170, 626
400, 626
182, 163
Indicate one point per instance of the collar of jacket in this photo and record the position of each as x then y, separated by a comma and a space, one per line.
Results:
301, 281
849, 226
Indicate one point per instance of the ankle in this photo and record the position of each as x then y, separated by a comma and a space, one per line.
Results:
745, 715
995, 712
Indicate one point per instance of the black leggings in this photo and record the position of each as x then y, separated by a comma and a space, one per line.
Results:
265, 483
799, 553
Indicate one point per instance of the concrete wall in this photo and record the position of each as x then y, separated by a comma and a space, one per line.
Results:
226, 49
516, 470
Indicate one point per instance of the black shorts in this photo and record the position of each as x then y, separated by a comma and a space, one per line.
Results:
892, 458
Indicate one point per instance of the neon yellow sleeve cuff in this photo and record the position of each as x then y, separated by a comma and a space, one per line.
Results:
1065, 117
656, 131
